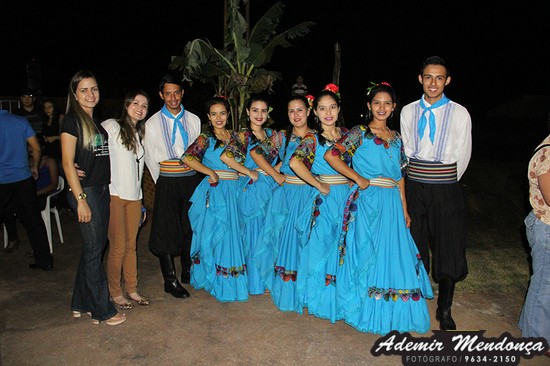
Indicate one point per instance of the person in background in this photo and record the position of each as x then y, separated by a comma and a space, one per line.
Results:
29, 110
84, 145
391, 284
217, 249
46, 183
256, 188
18, 184
168, 133
289, 210
535, 314
51, 122
319, 264
10, 221
299, 88
127, 157
437, 136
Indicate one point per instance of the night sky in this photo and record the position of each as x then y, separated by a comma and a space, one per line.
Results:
494, 49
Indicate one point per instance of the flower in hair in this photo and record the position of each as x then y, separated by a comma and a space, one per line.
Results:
310, 98
220, 96
374, 85
270, 109
333, 88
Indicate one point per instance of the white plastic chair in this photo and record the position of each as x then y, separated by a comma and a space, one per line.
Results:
46, 216
5, 236
48, 210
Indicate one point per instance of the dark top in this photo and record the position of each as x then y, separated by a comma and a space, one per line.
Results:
94, 162
33, 117
52, 149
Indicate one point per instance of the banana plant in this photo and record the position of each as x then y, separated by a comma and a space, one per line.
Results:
235, 70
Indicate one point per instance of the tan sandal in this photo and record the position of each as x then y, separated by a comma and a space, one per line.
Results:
119, 318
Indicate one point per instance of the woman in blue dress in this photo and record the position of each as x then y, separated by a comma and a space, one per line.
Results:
392, 283
217, 254
285, 232
319, 264
256, 188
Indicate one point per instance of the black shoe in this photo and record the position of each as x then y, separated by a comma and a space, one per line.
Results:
176, 290
44, 267
445, 320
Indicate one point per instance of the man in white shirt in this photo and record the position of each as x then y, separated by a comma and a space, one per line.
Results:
437, 136
168, 133
299, 88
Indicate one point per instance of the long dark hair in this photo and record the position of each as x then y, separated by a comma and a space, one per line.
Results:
254, 98
288, 130
209, 103
318, 124
382, 87
127, 128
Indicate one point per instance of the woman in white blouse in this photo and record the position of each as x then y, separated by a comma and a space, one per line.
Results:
127, 161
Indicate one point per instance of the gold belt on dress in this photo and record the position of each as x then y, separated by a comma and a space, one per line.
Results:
227, 174
383, 182
333, 179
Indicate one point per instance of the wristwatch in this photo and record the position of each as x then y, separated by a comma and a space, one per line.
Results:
82, 196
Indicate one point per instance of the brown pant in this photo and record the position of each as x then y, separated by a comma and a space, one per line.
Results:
122, 258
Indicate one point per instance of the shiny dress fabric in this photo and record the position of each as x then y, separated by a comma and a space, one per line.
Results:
385, 268
217, 255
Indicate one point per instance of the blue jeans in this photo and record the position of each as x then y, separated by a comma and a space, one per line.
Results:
534, 320
91, 292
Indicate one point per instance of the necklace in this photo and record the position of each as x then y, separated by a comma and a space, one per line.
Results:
139, 158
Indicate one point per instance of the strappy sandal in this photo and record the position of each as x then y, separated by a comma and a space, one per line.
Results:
142, 301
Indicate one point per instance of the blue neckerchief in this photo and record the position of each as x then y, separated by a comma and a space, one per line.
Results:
422, 122
177, 125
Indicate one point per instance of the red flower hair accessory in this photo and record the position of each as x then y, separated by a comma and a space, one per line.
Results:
310, 98
333, 88
220, 96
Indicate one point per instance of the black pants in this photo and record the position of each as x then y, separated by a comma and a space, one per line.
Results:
22, 195
438, 226
171, 232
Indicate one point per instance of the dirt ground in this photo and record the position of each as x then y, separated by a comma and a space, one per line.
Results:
36, 326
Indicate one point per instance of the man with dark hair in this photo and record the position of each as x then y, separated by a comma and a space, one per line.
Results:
29, 110
168, 133
437, 136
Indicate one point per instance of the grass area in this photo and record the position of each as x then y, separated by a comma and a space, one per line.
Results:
496, 195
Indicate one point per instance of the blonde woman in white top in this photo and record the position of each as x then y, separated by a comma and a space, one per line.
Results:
127, 155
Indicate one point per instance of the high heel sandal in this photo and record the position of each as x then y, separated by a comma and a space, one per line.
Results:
119, 318
142, 301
